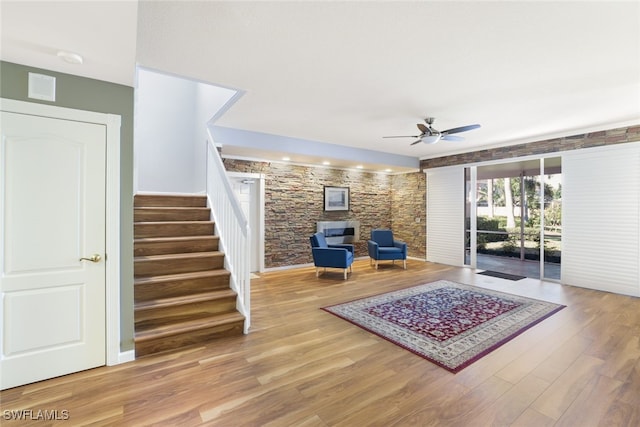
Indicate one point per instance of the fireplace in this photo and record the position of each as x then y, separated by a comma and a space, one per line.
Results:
339, 231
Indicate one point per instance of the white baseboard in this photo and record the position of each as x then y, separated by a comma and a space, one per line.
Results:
287, 267
127, 356
291, 267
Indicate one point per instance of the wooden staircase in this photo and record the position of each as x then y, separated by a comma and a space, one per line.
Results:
182, 293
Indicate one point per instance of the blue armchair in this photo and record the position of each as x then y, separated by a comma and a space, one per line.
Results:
382, 246
332, 256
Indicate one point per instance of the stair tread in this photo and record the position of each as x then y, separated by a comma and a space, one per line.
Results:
184, 299
171, 213
174, 238
181, 276
183, 255
175, 328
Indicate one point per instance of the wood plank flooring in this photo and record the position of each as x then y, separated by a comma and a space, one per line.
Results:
301, 366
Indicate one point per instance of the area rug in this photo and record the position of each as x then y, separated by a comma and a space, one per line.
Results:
447, 323
502, 275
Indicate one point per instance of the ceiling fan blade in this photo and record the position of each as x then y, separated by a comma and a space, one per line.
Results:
416, 142
423, 128
403, 136
460, 129
452, 138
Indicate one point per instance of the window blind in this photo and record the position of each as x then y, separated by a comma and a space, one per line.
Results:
600, 219
445, 215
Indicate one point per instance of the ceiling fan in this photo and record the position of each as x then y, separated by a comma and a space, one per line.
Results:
429, 135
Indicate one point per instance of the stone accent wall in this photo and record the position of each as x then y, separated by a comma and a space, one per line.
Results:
294, 203
587, 140
408, 212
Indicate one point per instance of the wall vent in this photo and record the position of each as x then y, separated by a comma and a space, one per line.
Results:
42, 87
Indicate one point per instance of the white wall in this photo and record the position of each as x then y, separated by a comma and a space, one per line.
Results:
171, 116
211, 102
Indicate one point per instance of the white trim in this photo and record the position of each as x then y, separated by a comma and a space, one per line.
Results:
473, 217
126, 356
113, 242
310, 264
542, 212
288, 267
112, 212
261, 202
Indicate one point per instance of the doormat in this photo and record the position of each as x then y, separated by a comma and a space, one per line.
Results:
502, 275
447, 323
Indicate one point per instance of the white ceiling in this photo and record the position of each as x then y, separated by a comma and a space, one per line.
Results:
351, 72
104, 33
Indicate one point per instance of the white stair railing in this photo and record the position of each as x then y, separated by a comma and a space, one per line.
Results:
232, 227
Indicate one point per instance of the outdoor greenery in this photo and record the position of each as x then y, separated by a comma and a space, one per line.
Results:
506, 242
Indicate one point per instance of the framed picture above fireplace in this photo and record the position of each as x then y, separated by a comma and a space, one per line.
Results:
336, 198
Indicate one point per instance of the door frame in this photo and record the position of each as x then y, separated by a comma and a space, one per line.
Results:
112, 209
259, 179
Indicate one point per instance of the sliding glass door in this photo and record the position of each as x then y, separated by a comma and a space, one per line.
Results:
512, 217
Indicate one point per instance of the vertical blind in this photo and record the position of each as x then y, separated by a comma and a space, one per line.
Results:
445, 215
600, 219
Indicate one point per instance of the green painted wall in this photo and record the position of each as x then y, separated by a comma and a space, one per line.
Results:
94, 95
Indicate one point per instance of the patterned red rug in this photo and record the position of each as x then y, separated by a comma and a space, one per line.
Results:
448, 323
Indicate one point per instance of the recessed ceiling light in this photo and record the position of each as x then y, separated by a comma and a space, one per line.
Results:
387, 170
326, 163
359, 166
70, 57
286, 159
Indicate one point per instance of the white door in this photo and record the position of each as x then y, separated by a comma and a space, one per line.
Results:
246, 190
52, 188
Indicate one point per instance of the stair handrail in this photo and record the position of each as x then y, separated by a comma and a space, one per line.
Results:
232, 227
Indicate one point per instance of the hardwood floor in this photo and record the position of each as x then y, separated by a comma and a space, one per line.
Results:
301, 366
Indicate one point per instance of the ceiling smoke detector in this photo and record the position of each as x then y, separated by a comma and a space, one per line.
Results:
70, 57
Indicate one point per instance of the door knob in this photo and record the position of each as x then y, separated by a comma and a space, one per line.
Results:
93, 258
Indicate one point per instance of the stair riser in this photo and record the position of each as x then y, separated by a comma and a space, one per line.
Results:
174, 288
147, 317
201, 337
142, 200
199, 214
174, 266
186, 246
177, 229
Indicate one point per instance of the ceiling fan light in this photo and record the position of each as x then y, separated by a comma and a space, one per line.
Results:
431, 139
